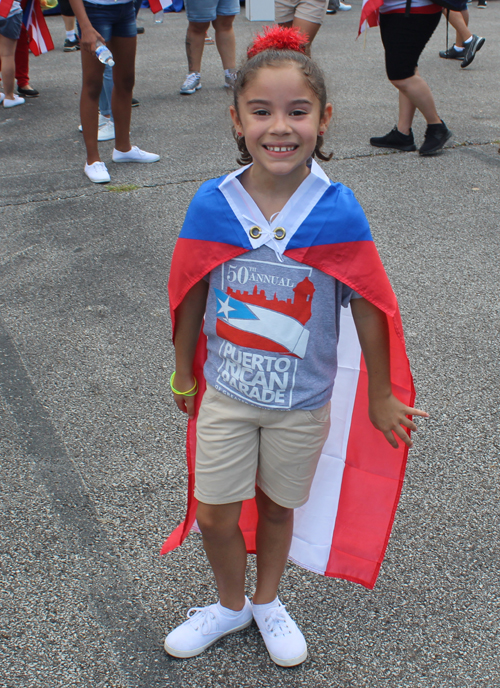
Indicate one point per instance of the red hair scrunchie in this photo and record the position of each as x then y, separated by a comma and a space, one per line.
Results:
278, 38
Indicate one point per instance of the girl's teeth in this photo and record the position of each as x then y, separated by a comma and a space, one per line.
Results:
280, 149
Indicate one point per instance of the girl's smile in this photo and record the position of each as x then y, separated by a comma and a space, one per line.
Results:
279, 116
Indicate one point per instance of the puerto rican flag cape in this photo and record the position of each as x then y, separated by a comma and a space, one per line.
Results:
370, 14
344, 528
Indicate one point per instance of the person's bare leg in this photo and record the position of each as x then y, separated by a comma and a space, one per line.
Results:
310, 29
123, 50
225, 41
226, 551
92, 71
457, 20
406, 113
273, 539
195, 42
7, 52
69, 23
417, 91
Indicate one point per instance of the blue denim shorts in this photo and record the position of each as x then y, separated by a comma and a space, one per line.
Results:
10, 27
117, 19
208, 10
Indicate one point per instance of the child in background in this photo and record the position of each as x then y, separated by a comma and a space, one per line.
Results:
10, 30
266, 258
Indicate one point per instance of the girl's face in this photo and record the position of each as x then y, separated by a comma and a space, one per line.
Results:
279, 116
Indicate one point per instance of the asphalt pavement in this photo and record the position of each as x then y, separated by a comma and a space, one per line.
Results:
93, 475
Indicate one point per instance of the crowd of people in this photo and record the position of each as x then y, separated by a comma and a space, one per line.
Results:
107, 92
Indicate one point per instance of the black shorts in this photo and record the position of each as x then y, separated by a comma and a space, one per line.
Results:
404, 38
66, 9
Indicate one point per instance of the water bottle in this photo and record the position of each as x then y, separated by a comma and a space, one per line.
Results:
158, 17
103, 54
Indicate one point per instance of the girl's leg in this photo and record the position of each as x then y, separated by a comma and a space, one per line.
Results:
92, 71
419, 95
123, 50
7, 51
274, 536
457, 20
225, 41
226, 551
195, 42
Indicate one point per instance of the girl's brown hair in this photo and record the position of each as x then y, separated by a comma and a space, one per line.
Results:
277, 58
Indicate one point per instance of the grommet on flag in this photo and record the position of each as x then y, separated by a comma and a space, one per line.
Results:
255, 232
279, 233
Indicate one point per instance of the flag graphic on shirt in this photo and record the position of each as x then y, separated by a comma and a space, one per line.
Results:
40, 40
5, 6
344, 528
252, 321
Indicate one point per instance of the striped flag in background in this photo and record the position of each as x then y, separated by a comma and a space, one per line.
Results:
159, 5
369, 14
5, 6
40, 39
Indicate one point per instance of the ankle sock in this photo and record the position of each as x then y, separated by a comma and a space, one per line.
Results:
228, 72
468, 41
70, 35
459, 49
229, 612
264, 607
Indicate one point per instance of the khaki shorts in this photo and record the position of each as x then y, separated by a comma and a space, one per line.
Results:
239, 445
310, 10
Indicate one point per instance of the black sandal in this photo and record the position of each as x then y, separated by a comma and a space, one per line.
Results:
28, 92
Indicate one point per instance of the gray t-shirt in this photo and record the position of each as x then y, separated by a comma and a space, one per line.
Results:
272, 327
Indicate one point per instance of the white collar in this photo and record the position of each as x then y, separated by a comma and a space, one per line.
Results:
293, 214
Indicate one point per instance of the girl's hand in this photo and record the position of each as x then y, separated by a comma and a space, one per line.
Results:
389, 415
184, 383
89, 39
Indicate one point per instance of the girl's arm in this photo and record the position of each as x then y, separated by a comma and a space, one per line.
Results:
89, 34
387, 412
189, 317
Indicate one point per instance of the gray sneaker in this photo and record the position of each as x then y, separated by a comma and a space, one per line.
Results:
191, 84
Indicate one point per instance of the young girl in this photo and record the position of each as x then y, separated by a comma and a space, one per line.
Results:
10, 30
267, 256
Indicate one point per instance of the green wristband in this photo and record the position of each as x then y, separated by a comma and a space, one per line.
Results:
190, 393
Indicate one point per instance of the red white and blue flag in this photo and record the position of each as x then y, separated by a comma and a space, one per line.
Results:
344, 528
5, 6
40, 40
370, 13
159, 5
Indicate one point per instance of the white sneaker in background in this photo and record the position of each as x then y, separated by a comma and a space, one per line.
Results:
97, 172
135, 154
191, 84
106, 131
344, 8
17, 100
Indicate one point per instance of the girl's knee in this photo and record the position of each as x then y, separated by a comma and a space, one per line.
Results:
271, 511
217, 520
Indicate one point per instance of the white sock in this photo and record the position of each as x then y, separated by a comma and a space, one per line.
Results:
228, 72
228, 612
260, 608
468, 41
70, 35
458, 49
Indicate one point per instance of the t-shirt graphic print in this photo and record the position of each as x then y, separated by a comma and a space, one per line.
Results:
258, 323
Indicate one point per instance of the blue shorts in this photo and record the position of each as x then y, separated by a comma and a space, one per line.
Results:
208, 10
10, 27
112, 20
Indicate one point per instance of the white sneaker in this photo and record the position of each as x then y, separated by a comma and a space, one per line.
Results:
102, 121
191, 84
97, 172
134, 155
204, 627
2, 96
106, 131
7, 102
284, 641
344, 8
